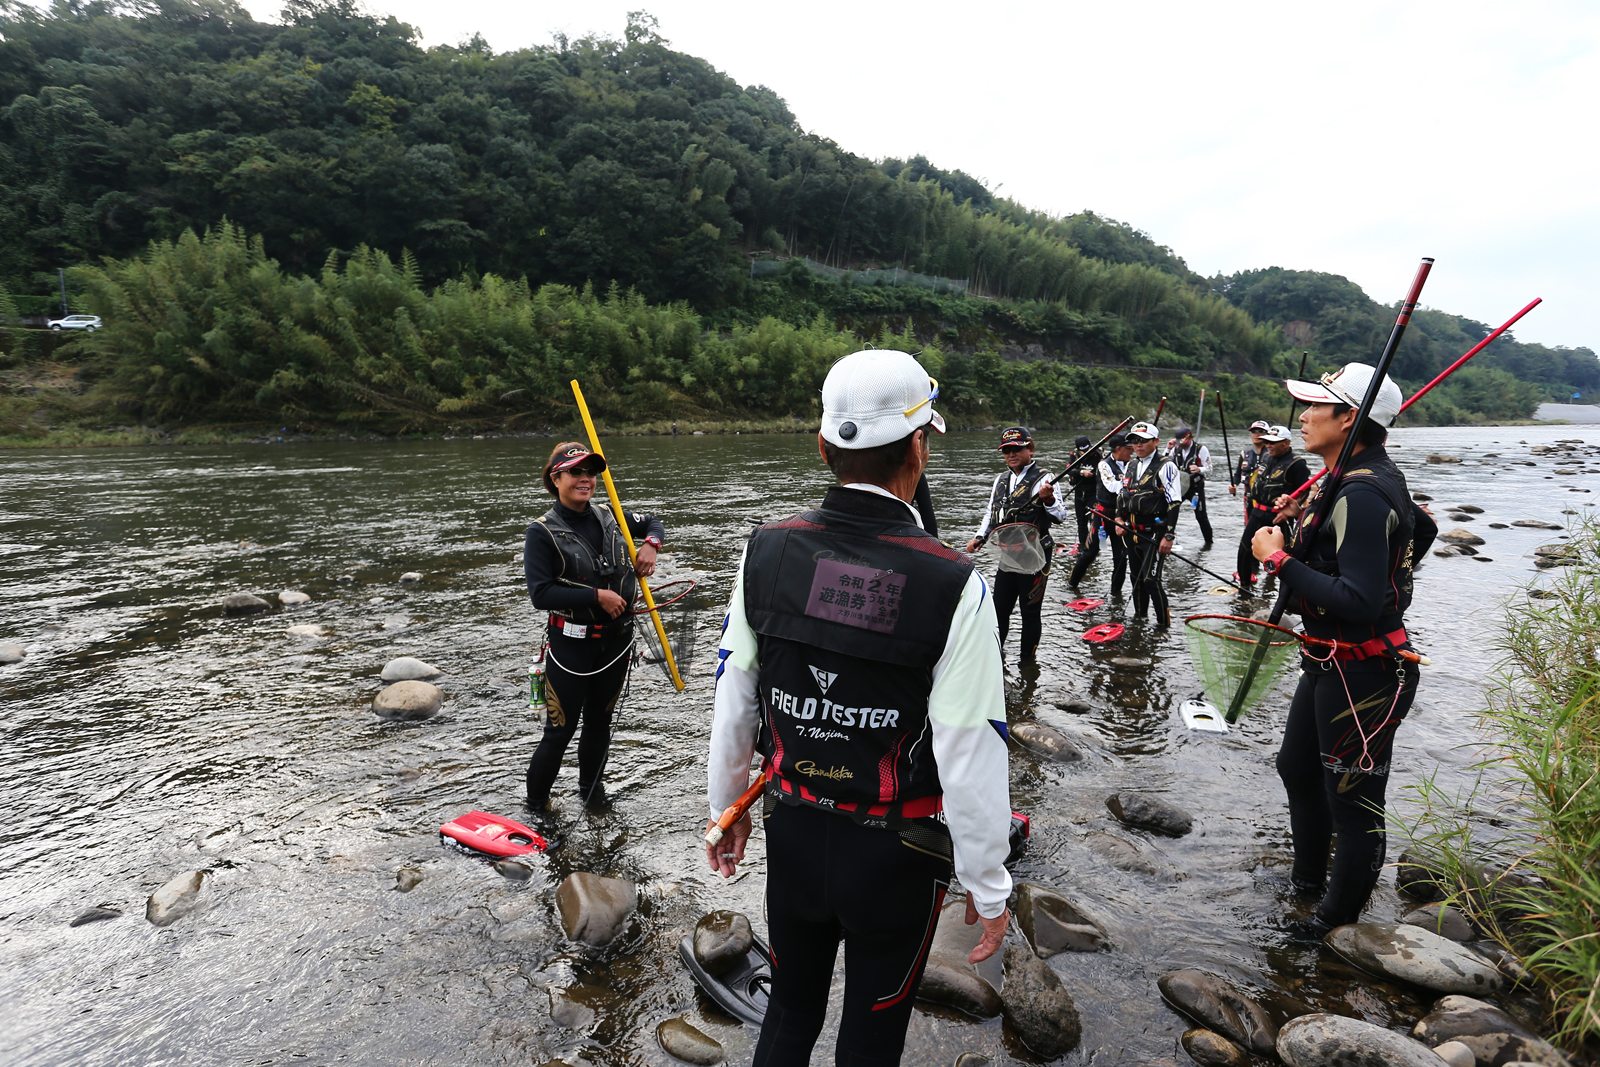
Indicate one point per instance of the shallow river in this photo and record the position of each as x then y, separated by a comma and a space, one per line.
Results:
147, 734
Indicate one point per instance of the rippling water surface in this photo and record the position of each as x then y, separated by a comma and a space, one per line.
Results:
147, 734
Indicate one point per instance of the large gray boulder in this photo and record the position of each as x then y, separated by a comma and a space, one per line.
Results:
949, 979
1053, 924
687, 1043
408, 700
721, 940
407, 668
175, 899
1495, 1038
1214, 1003
244, 604
1146, 812
1212, 1049
1038, 1007
1046, 740
1335, 1041
1412, 954
593, 909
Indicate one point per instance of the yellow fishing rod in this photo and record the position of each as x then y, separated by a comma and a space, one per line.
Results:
627, 535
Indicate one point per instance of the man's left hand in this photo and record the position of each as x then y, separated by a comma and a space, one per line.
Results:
1268, 539
726, 855
994, 931
645, 566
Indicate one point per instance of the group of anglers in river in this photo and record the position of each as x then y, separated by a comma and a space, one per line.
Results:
861, 657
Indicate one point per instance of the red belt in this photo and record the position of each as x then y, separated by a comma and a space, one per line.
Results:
1262, 507
595, 629
1384, 645
916, 808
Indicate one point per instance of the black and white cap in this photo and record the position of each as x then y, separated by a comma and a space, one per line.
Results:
1347, 386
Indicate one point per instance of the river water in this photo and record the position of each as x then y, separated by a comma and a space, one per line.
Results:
147, 734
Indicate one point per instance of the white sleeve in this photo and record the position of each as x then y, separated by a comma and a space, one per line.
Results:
1111, 482
1204, 460
988, 510
736, 710
1168, 476
966, 706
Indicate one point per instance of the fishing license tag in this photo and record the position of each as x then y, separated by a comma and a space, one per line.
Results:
856, 596
575, 629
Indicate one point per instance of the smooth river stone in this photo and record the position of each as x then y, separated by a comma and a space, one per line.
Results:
949, 979
410, 578
1046, 740
1538, 524
1148, 812
1436, 458
11, 653
1494, 1038
1212, 1049
1053, 924
406, 879
1470, 509
1460, 536
408, 700
174, 900
1335, 1041
688, 1044
290, 597
406, 669
396, 622
1442, 920
722, 939
1127, 856
1216, 1004
1037, 1005
595, 910
1456, 1054
305, 629
244, 604
94, 915
1412, 954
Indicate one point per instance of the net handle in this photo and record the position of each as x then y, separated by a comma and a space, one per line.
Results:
1297, 637
688, 587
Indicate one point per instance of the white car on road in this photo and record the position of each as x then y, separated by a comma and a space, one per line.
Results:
76, 322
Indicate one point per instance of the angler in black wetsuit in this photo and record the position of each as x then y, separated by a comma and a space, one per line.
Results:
1084, 478
1194, 466
1249, 459
577, 569
1279, 471
1353, 588
1108, 483
1147, 512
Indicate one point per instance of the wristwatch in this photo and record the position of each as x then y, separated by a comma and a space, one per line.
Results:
653, 540
1274, 563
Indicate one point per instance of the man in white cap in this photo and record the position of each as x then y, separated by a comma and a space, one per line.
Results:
1147, 516
862, 655
1249, 459
1279, 472
1351, 586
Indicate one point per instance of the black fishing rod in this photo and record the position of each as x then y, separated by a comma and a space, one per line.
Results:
1294, 400
1226, 581
1324, 501
1233, 474
1077, 456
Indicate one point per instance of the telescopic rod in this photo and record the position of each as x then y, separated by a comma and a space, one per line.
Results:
1222, 417
1313, 520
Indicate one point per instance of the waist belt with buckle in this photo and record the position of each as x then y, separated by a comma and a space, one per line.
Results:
916, 808
569, 628
1384, 645
1262, 507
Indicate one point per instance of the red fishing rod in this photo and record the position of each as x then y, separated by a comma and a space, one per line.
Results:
1420, 393
1319, 511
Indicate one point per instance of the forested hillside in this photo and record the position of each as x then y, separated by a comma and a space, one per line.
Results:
322, 222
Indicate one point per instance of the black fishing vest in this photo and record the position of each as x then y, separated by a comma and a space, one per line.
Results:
1269, 480
1372, 469
581, 567
1104, 498
1021, 505
1249, 460
852, 606
1086, 487
1183, 457
1145, 499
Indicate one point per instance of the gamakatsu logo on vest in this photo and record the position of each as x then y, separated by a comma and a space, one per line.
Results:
827, 711
824, 678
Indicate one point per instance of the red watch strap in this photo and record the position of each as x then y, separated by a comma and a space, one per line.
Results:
1275, 562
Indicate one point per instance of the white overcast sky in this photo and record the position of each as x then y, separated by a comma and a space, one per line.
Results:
1351, 137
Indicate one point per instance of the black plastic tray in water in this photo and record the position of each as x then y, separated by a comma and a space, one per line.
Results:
742, 990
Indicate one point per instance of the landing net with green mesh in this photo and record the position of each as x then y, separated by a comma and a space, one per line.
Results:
678, 608
1222, 647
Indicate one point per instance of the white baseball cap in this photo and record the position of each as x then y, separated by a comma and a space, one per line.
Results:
875, 397
1348, 385
1144, 431
1277, 433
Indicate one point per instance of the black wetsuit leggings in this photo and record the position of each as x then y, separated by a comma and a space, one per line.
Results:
1335, 768
1198, 495
830, 879
1255, 519
1011, 588
1086, 557
1145, 558
576, 697
1083, 507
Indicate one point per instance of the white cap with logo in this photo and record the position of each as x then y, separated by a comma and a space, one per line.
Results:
876, 397
1348, 385
1144, 431
1277, 433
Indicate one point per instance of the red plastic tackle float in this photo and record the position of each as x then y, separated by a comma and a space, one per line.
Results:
1084, 603
493, 834
1106, 631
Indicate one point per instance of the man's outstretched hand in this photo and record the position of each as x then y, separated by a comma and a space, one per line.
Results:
994, 931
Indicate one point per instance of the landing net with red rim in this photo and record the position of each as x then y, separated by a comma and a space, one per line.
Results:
1222, 647
678, 607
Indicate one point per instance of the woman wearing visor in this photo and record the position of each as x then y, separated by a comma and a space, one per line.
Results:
577, 569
